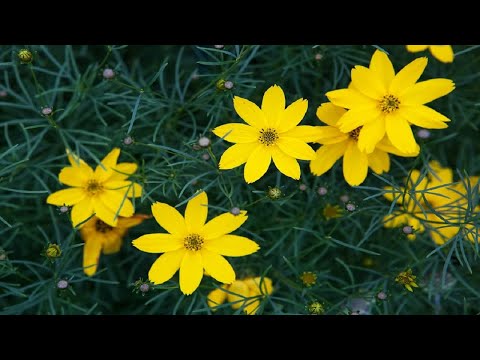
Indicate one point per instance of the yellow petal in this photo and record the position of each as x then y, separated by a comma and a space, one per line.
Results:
273, 104
238, 292
355, 165
391, 193
82, 211
91, 256
68, 197
122, 171
327, 156
237, 133
439, 174
330, 135
103, 212
366, 82
260, 285
218, 268
196, 212
73, 176
249, 112
416, 48
132, 221
166, 266
292, 115
117, 202
329, 113
296, 148
351, 99
112, 241
423, 116
426, 91
306, 133
408, 76
76, 162
444, 53
286, 164
223, 224
109, 162
379, 161
136, 190
358, 117
217, 297
232, 245
386, 145
382, 67
252, 306
408, 287
236, 155
395, 219
157, 243
371, 134
257, 164
191, 272
400, 134
169, 218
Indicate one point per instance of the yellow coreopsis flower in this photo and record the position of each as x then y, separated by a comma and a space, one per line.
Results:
272, 133
192, 245
247, 293
103, 192
443, 53
384, 103
407, 279
337, 144
100, 237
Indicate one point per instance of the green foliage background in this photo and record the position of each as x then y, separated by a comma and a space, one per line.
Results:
165, 97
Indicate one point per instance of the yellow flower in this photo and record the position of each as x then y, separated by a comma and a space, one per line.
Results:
100, 237
332, 211
308, 278
315, 308
271, 133
407, 279
383, 102
247, 293
102, 192
192, 245
443, 53
337, 144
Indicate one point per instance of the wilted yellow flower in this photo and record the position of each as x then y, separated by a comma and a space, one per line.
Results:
247, 293
332, 211
444, 53
407, 279
308, 278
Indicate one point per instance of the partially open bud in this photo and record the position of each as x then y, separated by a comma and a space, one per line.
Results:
52, 251
25, 56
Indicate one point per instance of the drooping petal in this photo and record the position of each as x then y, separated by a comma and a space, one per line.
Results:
237, 133
367, 82
132, 221
166, 266
196, 212
191, 272
329, 113
408, 76
423, 116
327, 156
416, 48
382, 67
217, 297
73, 176
158, 243
355, 165
426, 91
67, 197
122, 171
286, 164
109, 162
444, 53
357, 117
399, 133
371, 134
292, 115
232, 245
236, 155
351, 99
249, 112
82, 211
117, 201
169, 218
257, 164
91, 256
223, 224
219, 268
306, 133
379, 161
273, 104
296, 148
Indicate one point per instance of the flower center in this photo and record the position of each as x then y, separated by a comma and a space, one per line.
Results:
354, 133
268, 136
389, 103
100, 226
94, 187
193, 242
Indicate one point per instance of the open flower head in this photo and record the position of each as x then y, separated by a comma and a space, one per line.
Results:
247, 293
100, 237
104, 192
443, 53
271, 133
336, 144
192, 245
382, 102
407, 279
